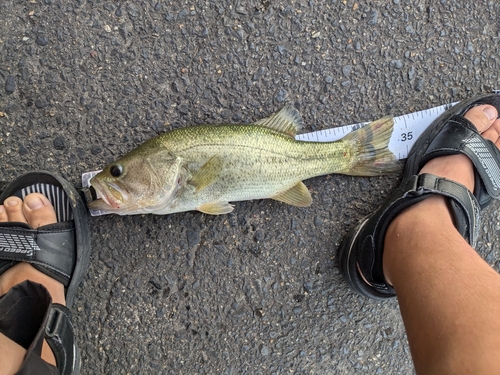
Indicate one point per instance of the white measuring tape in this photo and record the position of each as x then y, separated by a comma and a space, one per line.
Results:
407, 129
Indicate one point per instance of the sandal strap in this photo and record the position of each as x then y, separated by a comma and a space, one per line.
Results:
464, 207
60, 336
482, 152
40, 247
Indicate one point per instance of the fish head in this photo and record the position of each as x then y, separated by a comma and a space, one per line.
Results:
143, 181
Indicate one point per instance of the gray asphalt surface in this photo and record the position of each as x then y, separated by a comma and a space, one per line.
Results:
256, 291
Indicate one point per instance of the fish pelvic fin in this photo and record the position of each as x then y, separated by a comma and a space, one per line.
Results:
287, 121
207, 174
298, 195
371, 154
216, 208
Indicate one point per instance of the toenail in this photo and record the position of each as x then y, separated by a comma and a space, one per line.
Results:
11, 202
35, 204
490, 112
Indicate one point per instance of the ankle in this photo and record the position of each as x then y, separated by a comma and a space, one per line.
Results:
458, 168
430, 214
409, 227
24, 271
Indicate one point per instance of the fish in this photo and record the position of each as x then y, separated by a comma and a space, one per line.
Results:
205, 167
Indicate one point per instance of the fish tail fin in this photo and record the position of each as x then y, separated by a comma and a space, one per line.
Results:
371, 156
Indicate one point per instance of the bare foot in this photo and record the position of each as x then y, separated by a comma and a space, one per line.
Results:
36, 211
459, 168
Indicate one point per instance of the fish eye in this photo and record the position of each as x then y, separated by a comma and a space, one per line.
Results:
116, 170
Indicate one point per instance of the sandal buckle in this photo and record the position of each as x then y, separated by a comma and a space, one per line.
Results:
55, 324
415, 186
419, 185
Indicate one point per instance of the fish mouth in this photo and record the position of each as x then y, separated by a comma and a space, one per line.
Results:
109, 193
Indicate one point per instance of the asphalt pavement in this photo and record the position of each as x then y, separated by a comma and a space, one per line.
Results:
256, 291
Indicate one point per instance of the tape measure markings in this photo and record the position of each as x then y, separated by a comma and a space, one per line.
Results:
407, 129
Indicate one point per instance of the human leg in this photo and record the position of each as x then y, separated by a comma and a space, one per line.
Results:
449, 297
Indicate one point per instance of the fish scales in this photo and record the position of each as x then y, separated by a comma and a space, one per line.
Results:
205, 167
258, 162
256, 152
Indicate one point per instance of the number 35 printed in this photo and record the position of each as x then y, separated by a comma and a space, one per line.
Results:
406, 136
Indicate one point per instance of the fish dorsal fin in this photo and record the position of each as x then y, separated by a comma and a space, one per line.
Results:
207, 174
216, 208
298, 195
287, 121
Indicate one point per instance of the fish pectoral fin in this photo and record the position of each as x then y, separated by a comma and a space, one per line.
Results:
287, 121
216, 208
207, 174
298, 195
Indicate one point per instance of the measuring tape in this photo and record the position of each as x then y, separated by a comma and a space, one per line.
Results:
407, 129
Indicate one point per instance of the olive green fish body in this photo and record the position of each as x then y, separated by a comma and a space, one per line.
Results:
251, 162
205, 167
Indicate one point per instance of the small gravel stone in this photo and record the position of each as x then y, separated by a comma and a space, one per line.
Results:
372, 17
193, 238
95, 149
419, 84
259, 73
40, 103
43, 135
10, 84
346, 70
135, 121
281, 96
258, 236
398, 64
59, 143
42, 40
22, 150
411, 73
317, 221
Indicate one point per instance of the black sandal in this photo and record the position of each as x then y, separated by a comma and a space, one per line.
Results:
60, 250
360, 254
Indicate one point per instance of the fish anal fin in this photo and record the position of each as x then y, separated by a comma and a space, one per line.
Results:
207, 174
287, 121
298, 195
216, 208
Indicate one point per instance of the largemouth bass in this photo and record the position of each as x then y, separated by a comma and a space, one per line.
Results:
204, 167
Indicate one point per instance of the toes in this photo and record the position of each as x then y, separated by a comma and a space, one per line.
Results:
38, 210
485, 118
491, 134
482, 116
3, 214
14, 209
